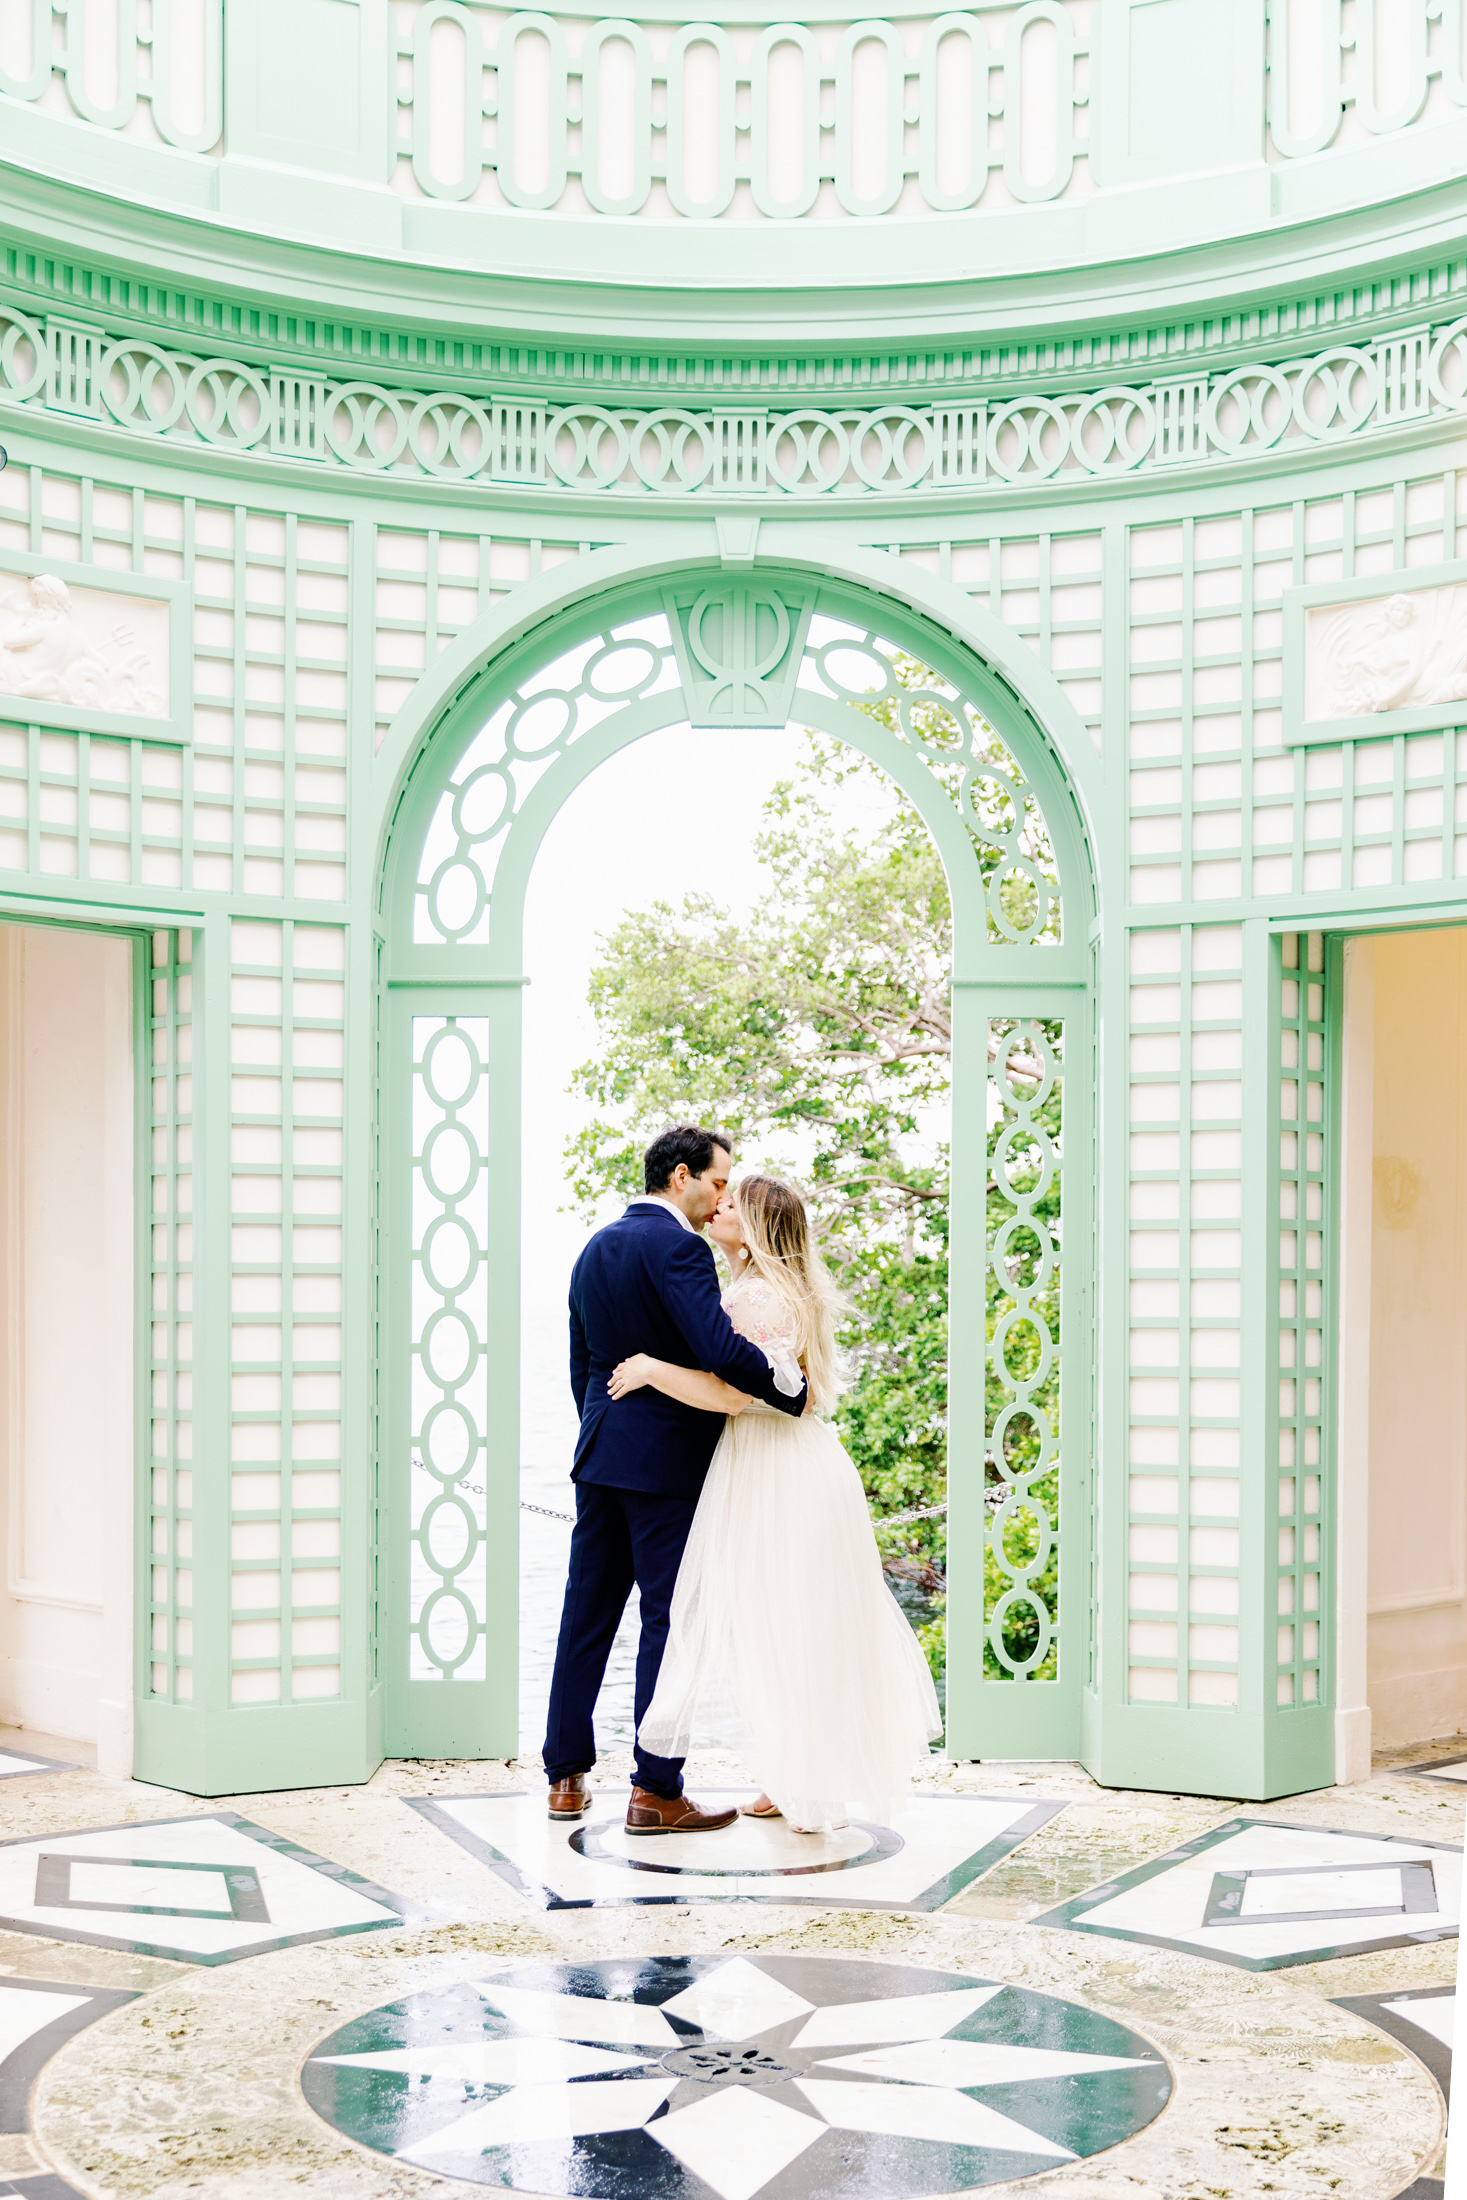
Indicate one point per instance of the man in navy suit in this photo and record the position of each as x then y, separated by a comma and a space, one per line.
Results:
644, 1284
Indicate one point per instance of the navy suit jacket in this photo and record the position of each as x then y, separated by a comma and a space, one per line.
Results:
645, 1284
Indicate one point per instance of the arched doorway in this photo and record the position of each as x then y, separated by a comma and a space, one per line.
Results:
728, 653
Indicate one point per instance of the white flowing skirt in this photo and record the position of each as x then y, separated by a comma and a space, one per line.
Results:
785, 1642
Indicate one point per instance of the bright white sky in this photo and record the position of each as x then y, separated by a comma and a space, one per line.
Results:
674, 814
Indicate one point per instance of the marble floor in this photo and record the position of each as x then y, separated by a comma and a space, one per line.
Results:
1023, 1982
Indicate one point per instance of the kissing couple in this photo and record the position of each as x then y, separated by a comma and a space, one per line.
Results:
707, 1473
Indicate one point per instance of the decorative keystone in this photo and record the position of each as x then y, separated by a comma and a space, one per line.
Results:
738, 538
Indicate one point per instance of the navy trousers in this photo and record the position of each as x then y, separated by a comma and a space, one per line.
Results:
620, 1537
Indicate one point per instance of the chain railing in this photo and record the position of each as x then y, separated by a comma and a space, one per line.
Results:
879, 1521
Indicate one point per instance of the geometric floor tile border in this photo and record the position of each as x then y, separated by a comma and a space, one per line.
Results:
1452, 1771
14, 1766
1262, 1895
933, 1848
207, 1889
35, 2020
684, 2076
1421, 2019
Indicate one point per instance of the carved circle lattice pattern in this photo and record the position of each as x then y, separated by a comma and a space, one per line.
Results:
448, 1600
476, 437
1021, 1601
549, 710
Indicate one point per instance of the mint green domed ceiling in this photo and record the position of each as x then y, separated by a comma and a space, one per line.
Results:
372, 362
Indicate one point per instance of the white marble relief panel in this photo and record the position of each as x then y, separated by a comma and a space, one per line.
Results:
1406, 651
63, 643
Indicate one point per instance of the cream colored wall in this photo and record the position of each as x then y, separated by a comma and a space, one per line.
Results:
67, 1186
1416, 1644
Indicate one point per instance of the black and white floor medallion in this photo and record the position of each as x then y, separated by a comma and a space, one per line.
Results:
934, 1847
725, 2077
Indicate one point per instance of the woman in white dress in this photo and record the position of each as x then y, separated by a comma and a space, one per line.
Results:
785, 1640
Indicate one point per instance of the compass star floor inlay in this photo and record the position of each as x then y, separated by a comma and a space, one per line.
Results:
714, 2046
933, 1848
689, 2077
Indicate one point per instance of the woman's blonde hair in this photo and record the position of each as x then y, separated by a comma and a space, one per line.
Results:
781, 1246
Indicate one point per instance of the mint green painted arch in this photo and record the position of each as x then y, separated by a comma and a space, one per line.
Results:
468, 998
939, 622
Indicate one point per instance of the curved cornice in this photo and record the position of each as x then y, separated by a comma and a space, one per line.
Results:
215, 410
213, 280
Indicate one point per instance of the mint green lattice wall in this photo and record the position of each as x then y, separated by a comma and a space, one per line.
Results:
166, 1604
1159, 619
287, 1002
244, 1607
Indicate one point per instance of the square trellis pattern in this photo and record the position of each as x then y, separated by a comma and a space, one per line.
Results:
170, 1103
429, 585
288, 985
1263, 1895
1220, 808
257, 803
934, 1847
1185, 1291
1049, 588
199, 1890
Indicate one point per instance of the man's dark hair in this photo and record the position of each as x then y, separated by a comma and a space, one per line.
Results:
685, 1142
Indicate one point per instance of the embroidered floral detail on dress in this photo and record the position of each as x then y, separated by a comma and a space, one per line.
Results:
758, 1312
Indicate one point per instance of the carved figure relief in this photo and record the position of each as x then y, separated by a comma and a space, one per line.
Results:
69, 645
1401, 652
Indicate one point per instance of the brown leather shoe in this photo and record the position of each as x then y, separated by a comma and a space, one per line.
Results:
647, 1813
568, 1798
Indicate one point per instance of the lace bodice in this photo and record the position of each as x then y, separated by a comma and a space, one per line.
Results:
759, 1313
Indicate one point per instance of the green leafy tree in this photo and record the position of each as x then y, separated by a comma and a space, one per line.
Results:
817, 1033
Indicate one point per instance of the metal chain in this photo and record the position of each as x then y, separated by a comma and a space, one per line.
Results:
899, 1520
886, 1520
